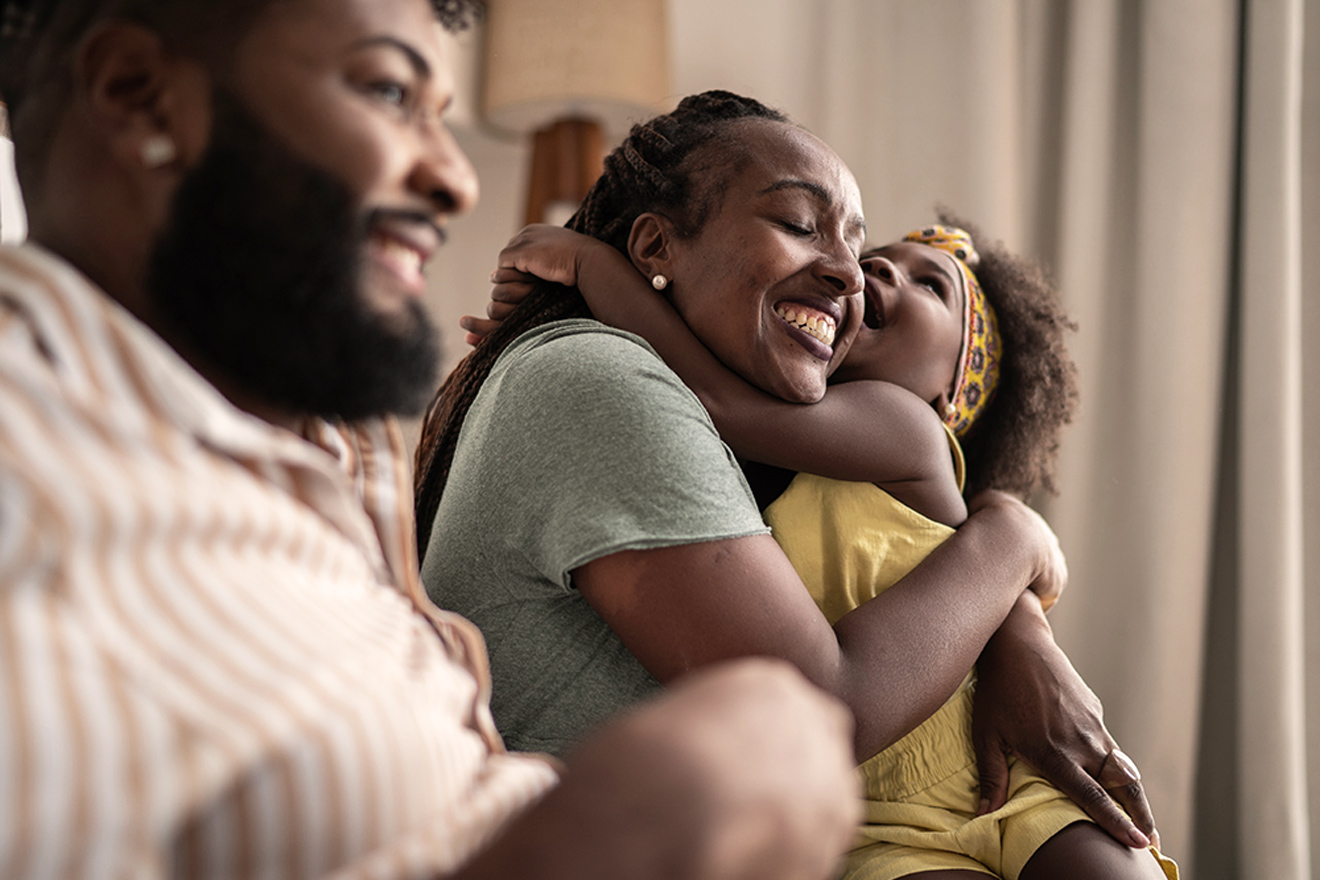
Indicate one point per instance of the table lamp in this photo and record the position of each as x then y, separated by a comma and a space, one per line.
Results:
570, 73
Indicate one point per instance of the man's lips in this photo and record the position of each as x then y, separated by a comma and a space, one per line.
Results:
405, 248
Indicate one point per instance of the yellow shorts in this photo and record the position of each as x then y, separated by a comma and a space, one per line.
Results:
922, 796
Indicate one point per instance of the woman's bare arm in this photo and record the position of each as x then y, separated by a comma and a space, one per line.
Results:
894, 660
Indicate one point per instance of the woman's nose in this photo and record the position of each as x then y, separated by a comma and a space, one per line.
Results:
843, 273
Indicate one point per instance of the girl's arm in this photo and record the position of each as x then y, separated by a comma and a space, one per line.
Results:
863, 431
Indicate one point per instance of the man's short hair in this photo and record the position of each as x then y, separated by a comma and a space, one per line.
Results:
38, 39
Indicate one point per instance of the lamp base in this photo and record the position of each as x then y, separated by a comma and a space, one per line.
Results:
567, 158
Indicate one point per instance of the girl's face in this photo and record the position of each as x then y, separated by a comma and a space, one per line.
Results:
912, 329
771, 282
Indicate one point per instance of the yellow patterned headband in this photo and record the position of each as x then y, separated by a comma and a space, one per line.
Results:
978, 364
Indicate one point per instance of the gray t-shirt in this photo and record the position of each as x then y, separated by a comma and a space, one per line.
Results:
581, 443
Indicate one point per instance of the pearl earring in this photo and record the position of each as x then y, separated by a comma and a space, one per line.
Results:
659, 282
157, 151
950, 409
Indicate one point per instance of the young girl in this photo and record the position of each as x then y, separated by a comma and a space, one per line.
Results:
959, 359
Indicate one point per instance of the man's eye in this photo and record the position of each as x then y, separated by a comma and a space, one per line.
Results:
389, 91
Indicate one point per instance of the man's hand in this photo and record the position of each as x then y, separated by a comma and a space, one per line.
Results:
741, 771
1031, 703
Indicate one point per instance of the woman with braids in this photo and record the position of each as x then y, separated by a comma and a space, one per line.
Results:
960, 352
580, 506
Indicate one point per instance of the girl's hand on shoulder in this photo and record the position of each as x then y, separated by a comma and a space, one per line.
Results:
1030, 527
551, 253
539, 251
510, 287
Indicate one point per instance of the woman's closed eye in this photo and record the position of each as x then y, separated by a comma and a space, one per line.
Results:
796, 228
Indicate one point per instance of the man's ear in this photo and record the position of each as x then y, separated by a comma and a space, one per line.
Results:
649, 245
152, 106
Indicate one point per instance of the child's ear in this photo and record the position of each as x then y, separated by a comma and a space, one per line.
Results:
649, 245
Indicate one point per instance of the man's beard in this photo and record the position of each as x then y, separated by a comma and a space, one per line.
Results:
260, 271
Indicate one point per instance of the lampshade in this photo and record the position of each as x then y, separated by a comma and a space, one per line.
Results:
602, 60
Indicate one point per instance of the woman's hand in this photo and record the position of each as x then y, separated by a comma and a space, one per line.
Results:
539, 251
1031, 703
1052, 575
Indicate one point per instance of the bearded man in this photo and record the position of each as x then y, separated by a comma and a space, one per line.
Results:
215, 657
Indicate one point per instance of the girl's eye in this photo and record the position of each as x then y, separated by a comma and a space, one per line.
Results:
933, 285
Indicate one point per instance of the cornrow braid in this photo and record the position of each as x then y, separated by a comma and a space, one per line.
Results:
674, 165
1014, 445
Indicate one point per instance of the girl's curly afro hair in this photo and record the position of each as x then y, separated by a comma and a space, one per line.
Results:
1014, 444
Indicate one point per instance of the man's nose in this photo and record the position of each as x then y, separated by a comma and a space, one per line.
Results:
443, 175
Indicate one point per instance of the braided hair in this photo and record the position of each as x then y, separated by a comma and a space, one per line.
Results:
674, 165
38, 39
1014, 444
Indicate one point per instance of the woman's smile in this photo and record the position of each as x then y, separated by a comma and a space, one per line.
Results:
813, 325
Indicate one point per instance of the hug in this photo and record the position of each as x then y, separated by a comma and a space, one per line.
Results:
718, 561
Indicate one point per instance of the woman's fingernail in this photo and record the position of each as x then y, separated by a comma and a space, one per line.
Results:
1138, 839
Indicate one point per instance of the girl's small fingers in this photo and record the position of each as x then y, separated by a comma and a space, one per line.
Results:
506, 274
478, 327
498, 311
510, 291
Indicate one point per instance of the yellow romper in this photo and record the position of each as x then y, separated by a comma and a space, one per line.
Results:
850, 542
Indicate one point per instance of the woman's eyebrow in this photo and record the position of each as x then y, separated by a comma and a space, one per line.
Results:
815, 189
419, 64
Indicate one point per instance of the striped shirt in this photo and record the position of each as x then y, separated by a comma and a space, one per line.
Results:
216, 659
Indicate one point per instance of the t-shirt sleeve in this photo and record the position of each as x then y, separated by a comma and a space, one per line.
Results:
586, 444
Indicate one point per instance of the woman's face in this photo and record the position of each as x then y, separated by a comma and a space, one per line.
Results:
912, 327
770, 284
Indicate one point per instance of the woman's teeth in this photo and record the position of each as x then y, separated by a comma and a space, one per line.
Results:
817, 325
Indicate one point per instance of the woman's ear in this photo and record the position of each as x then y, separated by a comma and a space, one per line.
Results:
649, 245
153, 107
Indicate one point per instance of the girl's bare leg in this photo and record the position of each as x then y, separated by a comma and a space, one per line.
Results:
1083, 851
